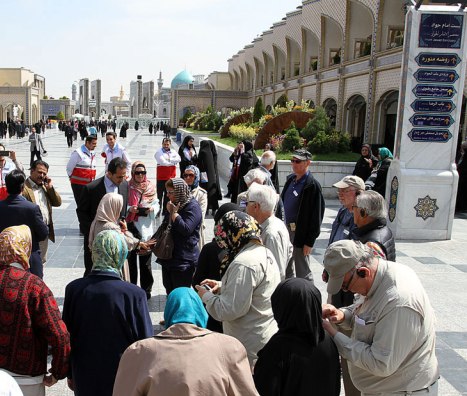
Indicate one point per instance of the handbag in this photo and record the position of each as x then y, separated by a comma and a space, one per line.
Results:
164, 245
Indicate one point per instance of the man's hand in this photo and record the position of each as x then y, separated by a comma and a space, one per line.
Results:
213, 284
49, 380
307, 250
12, 155
331, 313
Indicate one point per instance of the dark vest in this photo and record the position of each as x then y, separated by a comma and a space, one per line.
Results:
377, 231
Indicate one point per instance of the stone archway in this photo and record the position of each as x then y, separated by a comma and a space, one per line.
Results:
386, 117
354, 120
279, 124
330, 107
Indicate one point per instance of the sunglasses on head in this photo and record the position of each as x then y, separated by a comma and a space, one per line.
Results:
140, 172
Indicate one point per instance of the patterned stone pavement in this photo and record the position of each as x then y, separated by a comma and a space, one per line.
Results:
441, 265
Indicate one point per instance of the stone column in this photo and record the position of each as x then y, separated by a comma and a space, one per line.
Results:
422, 179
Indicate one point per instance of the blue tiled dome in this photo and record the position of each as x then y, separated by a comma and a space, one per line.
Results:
181, 78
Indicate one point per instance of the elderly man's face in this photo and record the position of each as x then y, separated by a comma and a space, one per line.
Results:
347, 196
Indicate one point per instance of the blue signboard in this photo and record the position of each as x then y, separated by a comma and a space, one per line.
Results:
50, 109
434, 91
435, 59
436, 106
436, 75
440, 31
430, 135
431, 120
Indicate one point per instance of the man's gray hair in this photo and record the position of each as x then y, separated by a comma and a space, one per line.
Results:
373, 203
254, 175
268, 158
263, 195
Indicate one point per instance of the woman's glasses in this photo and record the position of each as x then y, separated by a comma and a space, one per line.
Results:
137, 173
185, 175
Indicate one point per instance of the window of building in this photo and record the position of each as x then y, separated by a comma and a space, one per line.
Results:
395, 37
296, 69
334, 56
271, 77
313, 63
283, 73
362, 48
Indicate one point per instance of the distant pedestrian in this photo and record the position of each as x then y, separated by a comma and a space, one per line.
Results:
36, 145
136, 125
209, 176
69, 134
150, 128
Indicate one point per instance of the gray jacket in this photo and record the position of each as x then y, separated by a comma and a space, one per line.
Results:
35, 140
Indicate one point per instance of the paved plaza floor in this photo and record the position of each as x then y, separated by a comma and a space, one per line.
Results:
441, 265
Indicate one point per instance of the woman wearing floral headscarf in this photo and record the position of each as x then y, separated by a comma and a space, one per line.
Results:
104, 316
242, 300
185, 214
143, 206
31, 318
191, 177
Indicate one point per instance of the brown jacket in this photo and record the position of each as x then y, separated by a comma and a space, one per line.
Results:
185, 360
53, 199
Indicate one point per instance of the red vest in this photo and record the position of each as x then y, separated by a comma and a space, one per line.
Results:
85, 171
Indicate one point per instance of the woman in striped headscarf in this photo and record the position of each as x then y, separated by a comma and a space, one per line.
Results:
185, 214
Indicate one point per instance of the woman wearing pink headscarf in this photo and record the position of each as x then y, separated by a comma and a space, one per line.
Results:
143, 206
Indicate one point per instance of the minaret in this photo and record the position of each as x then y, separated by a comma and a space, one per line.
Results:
160, 82
122, 93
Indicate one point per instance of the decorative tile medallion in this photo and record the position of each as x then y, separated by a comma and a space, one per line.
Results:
426, 207
393, 198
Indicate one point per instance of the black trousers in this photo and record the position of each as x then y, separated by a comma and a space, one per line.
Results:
146, 279
69, 140
161, 192
35, 153
77, 188
176, 277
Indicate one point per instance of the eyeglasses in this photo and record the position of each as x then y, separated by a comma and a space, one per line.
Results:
185, 175
344, 190
170, 192
346, 287
295, 161
140, 173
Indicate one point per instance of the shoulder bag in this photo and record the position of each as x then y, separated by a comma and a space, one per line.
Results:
164, 245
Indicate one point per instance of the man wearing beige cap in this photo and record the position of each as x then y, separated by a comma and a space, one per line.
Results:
392, 347
343, 227
304, 211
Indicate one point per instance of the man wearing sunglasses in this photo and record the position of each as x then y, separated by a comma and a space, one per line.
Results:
392, 347
304, 211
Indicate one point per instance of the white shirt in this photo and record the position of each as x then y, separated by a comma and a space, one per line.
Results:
41, 200
117, 151
167, 158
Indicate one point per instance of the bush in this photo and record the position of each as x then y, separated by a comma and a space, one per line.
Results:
282, 101
258, 112
242, 132
292, 140
331, 142
321, 144
320, 122
60, 116
186, 116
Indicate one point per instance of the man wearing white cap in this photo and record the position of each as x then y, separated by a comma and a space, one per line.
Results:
392, 347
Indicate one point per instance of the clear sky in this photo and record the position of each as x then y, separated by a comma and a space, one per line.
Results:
115, 40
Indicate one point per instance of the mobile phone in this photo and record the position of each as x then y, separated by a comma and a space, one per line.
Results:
142, 212
207, 287
4, 153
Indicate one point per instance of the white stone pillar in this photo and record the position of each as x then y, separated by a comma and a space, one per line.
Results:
422, 180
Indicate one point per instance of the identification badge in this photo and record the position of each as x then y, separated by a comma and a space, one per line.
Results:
346, 232
295, 193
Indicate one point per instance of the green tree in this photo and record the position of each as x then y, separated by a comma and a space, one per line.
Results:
45, 97
292, 139
64, 97
319, 123
282, 101
60, 116
258, 111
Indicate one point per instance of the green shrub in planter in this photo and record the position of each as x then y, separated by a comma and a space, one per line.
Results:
321, 144
320, 122
292, 140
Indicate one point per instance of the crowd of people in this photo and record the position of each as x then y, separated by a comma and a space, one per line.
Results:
243, 315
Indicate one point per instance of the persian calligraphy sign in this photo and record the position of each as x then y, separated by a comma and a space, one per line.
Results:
440, 31
436, 75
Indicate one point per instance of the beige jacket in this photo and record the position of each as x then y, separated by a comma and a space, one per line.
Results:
53, 199
185, 360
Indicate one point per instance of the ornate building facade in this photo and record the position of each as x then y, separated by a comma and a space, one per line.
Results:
20, 93
344, 55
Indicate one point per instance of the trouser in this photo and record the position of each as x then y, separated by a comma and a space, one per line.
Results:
87, 256
44, 246
176, 277
35, 264
350, 389
146, 279
35, 153
77, 188
161, 192
431, 390
301, 263
33, 390
69, 140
